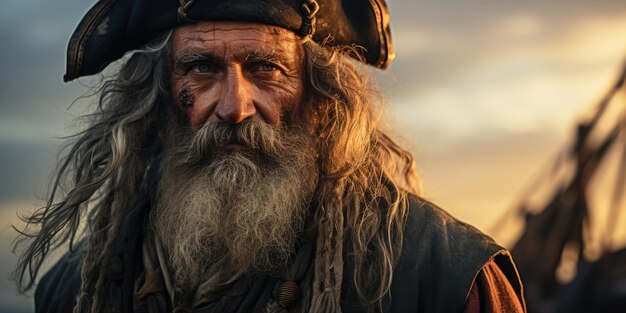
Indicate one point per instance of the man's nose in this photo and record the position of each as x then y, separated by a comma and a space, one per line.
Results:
235, 104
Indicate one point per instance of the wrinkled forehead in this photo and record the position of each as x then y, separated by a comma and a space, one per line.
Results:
230, 37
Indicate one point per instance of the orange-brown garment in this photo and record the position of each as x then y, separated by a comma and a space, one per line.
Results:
492, 293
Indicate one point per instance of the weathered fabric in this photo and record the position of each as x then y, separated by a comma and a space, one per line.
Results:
439, 263
492, 293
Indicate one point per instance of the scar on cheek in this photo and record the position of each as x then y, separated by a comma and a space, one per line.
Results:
185, 97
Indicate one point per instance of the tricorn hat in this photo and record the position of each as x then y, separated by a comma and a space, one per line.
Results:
113, 27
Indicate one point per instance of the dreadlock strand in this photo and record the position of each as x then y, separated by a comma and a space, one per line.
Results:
90, 263
328, 274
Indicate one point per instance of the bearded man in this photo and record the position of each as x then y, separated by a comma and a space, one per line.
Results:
236, 163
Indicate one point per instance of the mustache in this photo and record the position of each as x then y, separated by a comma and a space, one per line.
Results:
205, 144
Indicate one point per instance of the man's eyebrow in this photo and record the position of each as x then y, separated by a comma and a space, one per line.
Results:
192, 56
272, 56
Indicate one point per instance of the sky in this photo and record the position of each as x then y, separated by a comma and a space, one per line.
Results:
483, 92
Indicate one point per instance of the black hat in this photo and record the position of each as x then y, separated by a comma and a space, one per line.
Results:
114, 27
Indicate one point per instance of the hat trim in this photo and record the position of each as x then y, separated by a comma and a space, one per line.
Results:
386, 55
75, 49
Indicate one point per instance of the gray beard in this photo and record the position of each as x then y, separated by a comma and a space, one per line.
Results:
240, 208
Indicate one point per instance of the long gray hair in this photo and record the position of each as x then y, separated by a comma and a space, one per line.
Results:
102, 167
365, 176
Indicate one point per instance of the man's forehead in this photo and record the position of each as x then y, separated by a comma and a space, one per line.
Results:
221, 35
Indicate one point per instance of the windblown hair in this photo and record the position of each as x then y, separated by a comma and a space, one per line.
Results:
365, 176
100, 175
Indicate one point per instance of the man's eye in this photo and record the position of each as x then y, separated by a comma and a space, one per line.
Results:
267, 67
202, 68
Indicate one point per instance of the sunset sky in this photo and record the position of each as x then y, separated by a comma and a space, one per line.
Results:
484, 92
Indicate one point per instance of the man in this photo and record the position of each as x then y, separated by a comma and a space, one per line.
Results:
236, 164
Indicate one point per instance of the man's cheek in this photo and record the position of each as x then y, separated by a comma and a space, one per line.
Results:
191, 99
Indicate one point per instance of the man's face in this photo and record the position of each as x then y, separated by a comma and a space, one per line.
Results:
235, 187
234, 71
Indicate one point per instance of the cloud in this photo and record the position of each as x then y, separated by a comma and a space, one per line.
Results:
548, 84
33, 63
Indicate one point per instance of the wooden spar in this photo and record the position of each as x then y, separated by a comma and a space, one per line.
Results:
565, 216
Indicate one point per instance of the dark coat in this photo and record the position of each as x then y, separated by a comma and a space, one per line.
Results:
440, 259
